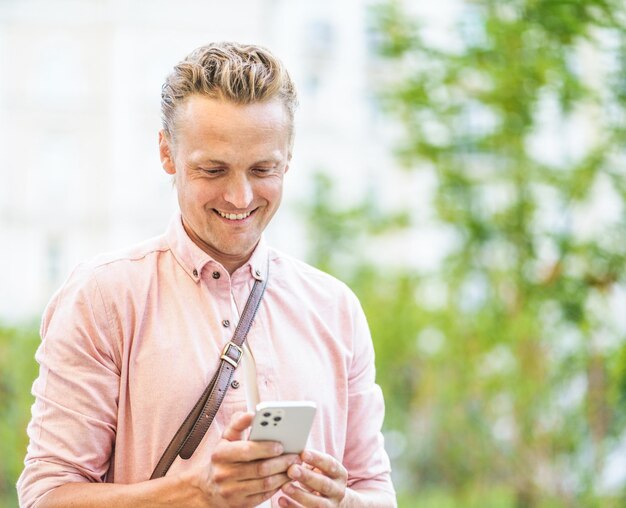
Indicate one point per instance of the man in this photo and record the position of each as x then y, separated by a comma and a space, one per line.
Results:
132, 339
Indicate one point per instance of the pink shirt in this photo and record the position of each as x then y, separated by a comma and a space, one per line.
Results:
132, 339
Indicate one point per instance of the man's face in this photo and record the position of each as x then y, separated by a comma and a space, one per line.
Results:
228, 161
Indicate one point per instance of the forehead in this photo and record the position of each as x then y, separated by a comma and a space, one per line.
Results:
223, 120
209, 129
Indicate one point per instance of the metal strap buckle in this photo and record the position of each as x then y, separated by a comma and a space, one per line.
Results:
237, 354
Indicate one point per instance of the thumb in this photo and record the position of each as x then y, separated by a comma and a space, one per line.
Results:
239, 422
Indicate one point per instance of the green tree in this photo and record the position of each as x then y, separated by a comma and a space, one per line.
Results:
18, 369
510, 389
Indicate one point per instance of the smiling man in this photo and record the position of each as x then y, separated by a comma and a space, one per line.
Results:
132, 339
228, 161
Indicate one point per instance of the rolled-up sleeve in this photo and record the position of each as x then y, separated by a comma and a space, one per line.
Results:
365, 457
73, 424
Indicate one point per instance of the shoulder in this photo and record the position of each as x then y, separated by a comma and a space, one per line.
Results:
130, 258
92, 286
297, 276
132, 255
284, 266
117, 267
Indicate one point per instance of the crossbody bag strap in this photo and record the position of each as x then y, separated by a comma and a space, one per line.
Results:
199, 419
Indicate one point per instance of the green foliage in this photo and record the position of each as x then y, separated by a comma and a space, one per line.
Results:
18, 369
512, 382
337, 231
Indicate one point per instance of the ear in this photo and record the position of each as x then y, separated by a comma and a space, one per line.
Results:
289, 154
165, 152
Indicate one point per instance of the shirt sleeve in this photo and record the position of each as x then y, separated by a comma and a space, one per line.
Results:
365, 457
73, 424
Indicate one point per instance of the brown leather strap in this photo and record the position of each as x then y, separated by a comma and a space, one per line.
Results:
199, 419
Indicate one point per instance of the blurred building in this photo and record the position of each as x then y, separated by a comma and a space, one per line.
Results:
79, 115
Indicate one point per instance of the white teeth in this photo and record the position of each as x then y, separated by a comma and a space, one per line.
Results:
234, 216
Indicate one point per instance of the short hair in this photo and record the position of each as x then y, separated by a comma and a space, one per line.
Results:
243, 74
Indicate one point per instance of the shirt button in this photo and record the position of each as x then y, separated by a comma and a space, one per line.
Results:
216, 275
195, 272
234, 384
226, 323
258, 273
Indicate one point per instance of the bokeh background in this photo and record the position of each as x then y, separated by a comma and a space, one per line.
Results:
460, 164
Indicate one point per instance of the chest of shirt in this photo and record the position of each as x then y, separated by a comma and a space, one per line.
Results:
172, 341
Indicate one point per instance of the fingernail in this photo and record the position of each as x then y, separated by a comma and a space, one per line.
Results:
278, 449
295, 472
288, 488
306, 456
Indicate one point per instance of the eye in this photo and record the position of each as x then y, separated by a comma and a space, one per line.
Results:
212, 171
262, 170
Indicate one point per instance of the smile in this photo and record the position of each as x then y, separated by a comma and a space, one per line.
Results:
235, 216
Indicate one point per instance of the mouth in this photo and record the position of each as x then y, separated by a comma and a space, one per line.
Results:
234, 216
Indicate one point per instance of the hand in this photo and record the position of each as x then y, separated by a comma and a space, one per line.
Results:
241, 473
321, 481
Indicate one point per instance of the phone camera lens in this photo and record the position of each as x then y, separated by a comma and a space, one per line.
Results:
264, 423
277, 418
267, 414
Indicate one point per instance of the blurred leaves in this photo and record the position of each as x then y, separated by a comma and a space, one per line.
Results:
18, 370
503, 368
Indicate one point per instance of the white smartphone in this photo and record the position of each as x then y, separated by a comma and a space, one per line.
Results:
287, 422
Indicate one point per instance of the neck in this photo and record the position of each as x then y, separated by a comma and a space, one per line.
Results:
230, 262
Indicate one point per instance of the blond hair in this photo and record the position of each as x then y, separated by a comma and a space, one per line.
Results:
243, 74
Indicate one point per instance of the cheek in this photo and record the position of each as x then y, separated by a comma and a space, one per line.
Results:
199, 193
271, 192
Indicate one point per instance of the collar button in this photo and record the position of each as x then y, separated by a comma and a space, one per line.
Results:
216, 275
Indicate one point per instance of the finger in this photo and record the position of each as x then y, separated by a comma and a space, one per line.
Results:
238, 423
300, 497
308, 466
257, 499
286, 502
252, 499
267, 467
325, 463
305, 487
232, 489
317, 482
262, 486
245, 451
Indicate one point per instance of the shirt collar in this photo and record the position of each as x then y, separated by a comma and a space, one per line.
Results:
257, 264
193, 259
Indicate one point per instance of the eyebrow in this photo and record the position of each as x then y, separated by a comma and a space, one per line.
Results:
218, 162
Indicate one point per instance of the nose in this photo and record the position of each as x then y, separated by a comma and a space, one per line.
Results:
238, 191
